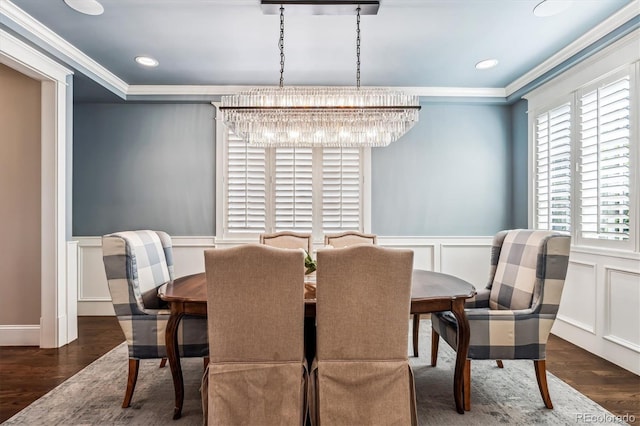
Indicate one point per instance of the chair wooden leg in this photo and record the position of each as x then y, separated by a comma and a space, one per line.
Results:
205, 362
467, 385
416, 330
435, 339
499, 363
131, 381
541, 376
163, 362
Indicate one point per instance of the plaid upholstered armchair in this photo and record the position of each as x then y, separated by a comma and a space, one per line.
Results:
512, 317
136, 264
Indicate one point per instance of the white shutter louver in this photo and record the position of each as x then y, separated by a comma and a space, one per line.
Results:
302, 189
341, 189
246, 187
293, 189
553, 169
604, 161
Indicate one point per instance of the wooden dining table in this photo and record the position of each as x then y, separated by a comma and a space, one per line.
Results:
430, 292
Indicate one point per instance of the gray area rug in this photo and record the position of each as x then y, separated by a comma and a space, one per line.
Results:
498, 396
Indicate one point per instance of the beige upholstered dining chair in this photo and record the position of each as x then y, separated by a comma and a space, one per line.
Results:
361, 374
512, 317
136, 264
257, 373
349, 238
287, 239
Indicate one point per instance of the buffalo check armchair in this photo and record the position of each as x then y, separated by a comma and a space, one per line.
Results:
512, 317
136, 264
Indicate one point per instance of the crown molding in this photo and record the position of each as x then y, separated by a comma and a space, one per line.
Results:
607, 61
29, 61
54, 41
614, 21
43, 33
186, 90
456, 92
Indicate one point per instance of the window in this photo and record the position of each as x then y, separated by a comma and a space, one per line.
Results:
311, 190
293, 189
246, 188
604, 161
553, 169
591, 132
341, 189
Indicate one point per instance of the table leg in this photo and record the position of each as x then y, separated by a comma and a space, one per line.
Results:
416, 332
171, 340
461, 353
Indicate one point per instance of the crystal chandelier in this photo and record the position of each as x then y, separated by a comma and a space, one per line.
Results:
320, 116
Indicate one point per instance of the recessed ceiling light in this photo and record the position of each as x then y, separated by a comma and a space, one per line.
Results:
551, 7
88, 7
147, 61
486, 64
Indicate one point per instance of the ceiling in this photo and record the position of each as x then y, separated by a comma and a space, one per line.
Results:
409, 43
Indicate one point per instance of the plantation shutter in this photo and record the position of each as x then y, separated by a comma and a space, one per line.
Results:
341, 189
604, 161
553, 169
293, 189
246, 187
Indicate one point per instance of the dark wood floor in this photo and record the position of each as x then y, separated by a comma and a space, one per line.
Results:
27, 373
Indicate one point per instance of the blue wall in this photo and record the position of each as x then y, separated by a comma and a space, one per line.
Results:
520, 164
450, 175
141, 166
461, 171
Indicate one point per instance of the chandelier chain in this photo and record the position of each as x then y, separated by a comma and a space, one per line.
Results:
358, 47
301, 116
281, 46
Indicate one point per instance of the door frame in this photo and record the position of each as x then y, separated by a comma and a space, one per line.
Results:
58, 294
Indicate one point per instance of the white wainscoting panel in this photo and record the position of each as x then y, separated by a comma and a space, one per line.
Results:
464, 257
188, 254
91, 271
599, 308
598, 312
72, 290
93, 291
623, 300
578, 304
471, 262
424, 250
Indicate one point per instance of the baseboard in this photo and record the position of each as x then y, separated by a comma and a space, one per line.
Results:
19, 335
